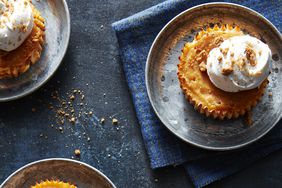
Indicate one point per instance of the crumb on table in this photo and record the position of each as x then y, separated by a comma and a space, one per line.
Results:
115, 121
77, 152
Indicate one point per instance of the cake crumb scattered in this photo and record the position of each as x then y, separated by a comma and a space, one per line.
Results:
219, 58
250, 54
224, 51
72, 120
218, 41
102, 120
203, 67
115, 121
77, 152
61, 129
72, 97
227, 70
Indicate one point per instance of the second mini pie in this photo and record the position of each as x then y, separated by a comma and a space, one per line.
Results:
223, 72
22, 32
53, 184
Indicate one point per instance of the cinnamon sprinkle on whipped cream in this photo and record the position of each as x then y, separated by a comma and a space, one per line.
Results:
239, 63
16, 23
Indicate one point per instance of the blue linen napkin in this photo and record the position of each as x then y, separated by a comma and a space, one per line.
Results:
135, 35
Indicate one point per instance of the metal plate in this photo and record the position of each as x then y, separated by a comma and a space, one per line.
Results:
65, 170
166, 96
57, 18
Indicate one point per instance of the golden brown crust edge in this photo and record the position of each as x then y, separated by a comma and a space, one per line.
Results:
37, 38
221, 114
53, 183
216, 114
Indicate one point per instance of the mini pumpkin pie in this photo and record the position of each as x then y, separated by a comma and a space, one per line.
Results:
53, 184
223, 72
21, 36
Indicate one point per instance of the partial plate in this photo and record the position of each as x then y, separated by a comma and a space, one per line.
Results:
166, 96
66, 170
57, 18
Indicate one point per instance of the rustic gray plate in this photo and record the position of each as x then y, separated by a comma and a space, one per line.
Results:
65, 170
166, 96
56, 15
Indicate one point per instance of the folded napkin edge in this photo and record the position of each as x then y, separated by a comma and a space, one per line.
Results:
134, 19
267, 150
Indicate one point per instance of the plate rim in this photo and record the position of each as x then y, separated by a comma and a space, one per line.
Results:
23, 94
58, 159
149, 92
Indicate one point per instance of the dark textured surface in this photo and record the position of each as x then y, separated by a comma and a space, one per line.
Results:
59, 169
93, 59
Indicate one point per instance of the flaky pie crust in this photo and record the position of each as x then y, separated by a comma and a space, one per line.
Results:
196, 85
53, 184
18, 61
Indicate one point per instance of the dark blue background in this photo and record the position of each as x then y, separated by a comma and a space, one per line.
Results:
93, 58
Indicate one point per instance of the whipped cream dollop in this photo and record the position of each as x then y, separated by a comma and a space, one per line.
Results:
239, 63
16, 23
